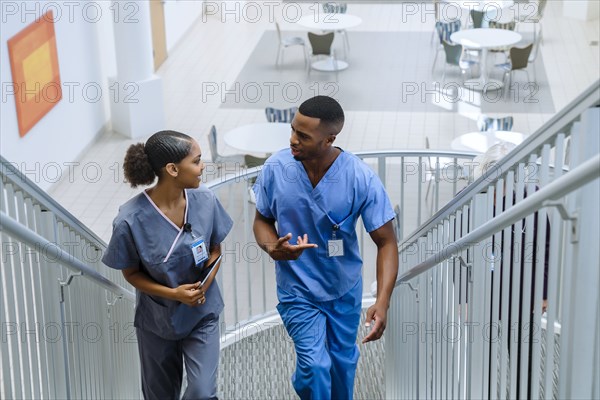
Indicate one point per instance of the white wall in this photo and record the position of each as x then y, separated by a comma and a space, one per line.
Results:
585, 10
180, 15
85, 49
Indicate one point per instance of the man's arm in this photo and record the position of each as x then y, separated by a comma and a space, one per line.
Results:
387, 271
278, 248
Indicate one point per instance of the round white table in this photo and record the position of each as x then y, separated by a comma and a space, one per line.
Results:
328, 23
495, 10
484, 39
481, 141
267, 137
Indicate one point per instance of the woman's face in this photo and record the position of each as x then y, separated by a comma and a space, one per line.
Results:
189, 170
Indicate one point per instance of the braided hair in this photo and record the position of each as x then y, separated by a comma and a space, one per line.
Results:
144, 162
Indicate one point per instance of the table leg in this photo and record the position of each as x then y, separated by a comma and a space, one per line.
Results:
483, 83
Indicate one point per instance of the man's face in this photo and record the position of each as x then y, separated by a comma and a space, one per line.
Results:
309, 140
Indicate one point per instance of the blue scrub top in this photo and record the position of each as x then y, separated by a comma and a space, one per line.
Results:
144, 236
348, 190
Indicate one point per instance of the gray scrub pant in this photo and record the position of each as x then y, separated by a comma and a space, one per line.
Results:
162, 363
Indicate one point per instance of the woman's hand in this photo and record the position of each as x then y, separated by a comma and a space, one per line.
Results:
191, 294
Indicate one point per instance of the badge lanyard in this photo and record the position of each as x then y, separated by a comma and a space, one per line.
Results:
335, 246
198, 246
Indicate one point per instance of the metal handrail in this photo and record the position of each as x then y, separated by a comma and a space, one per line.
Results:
26, 235
586, 172
252, 172
589, 98
12, 174
21, 232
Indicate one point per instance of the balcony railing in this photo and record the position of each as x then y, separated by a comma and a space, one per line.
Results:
61, 307
467, 318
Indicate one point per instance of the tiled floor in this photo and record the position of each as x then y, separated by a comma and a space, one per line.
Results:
215, 52
388, 72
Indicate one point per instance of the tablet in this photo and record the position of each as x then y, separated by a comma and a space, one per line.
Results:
207, 270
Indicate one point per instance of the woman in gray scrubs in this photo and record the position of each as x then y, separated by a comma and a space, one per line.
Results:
162, 240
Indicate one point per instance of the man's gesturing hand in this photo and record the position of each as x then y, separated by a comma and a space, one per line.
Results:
283, 250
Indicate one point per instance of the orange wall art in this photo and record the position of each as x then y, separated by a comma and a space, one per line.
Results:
34, 67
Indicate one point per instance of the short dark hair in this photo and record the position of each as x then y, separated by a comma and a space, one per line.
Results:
326, 108
143, 162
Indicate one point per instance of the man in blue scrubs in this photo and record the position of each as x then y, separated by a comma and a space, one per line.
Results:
315, 192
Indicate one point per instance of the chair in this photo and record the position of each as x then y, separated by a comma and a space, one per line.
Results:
439, 15
321, 46
239, 159
280, 115
335, 8
525, 15
218, 158
535, 18
444, 31
338, 8
485, 123
477, 18
454, 56
510, 26
518, 60
284, 43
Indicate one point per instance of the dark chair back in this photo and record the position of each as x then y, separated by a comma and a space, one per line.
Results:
519, 57
453, 52
321, 44
477, 18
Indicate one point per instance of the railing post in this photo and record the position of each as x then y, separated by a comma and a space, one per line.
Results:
579, 345
63, 324
477, 350
111, 365
50, 274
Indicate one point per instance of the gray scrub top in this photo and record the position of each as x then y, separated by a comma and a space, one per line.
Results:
144, 236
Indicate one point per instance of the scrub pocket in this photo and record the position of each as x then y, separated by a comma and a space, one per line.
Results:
154, 317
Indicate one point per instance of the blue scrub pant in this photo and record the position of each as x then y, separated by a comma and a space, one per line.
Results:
324, 335
162, 362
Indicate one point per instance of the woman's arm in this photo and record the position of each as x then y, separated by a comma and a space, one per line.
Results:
188, 294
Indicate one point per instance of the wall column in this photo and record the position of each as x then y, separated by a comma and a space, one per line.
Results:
137, 107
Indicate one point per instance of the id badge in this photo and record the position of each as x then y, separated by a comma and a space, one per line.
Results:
335, 248
199, 251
